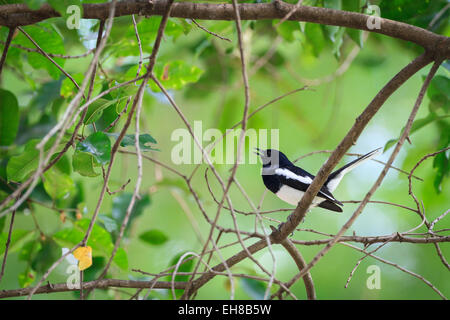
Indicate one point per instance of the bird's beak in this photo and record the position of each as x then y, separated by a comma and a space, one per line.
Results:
258, 152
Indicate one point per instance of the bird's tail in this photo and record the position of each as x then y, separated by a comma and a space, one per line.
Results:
335, 178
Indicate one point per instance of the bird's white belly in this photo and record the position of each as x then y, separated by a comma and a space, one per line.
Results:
293, 196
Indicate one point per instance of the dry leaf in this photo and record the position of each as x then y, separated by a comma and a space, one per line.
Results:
84, 257
62, 217
165, 75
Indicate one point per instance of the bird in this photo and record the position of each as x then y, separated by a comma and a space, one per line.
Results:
289, 182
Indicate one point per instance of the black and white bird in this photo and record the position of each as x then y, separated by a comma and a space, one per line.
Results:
290, 182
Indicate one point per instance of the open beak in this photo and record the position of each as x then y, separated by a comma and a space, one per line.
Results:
259, 152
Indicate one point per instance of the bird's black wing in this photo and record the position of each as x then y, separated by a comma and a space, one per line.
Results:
307, 178
330, 206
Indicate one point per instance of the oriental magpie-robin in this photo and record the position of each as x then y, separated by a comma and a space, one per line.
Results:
289, 182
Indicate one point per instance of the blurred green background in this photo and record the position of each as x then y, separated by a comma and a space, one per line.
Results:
207, 84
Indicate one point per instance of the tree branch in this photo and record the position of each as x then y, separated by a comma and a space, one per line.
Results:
301, 264
20, 15
99, 284
6, 48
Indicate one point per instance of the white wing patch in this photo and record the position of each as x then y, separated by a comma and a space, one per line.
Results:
332, 184
293, 196
290, 175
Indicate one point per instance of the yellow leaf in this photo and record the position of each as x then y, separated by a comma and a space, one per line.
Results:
84, 257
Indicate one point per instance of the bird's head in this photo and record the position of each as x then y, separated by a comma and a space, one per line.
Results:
272, 158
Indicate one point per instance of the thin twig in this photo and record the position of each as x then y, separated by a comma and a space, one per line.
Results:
50, 59
418, 276
6, 48
7, 244
141, 54
210, 32
53, 55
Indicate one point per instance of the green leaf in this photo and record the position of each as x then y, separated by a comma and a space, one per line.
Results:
58, 185
418, 13
129, 140
175, 75
315, 36
34, 4
184, 24
120, 205
17, 236
50, 41
352, 5
68, 88
83, 163
254, 288
63, 164
108, 223
356, 36
26, 278
68, 237
96, 108
417, 124
338, 43
46, 256
439, 93
98, 264
148, 29
441, 161
99, 239
28, 250
121, 259
420, 123
389, 144
331, 31
46, 94
287, 29
2, 219
98, 145
144, 139
9, 117
185, 266
20, 167
126, 43
155, 237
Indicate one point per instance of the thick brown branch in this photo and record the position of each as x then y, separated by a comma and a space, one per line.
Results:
100, 284
20, 15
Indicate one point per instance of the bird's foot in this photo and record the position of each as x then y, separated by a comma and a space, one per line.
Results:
279, 226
